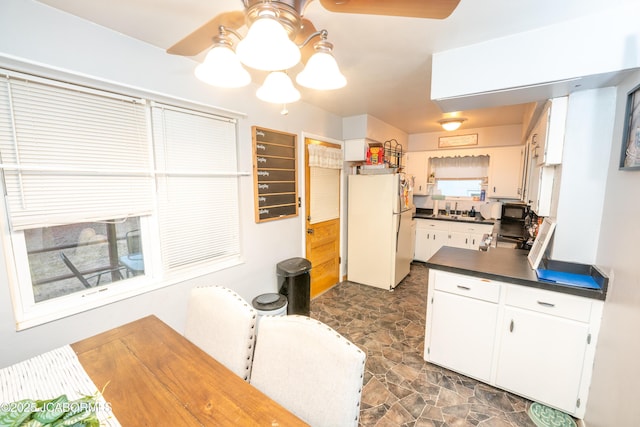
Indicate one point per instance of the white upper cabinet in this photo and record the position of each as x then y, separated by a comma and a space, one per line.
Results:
355, 150
547, 139
416, 166
506, 165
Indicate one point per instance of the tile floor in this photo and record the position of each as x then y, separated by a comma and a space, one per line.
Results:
401, 389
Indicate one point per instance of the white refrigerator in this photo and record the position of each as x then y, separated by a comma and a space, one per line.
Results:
380, 229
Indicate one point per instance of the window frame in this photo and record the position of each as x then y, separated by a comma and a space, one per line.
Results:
28, 313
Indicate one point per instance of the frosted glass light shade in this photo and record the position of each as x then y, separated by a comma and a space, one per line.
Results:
321, 73
451, 125
267, 46
278, 89
221, 68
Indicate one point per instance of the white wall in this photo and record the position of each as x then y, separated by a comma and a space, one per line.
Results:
33, 32
581, 194
367, 126
495, 136
615, 390
596, 44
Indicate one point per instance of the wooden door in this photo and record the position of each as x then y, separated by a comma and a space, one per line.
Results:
322, 206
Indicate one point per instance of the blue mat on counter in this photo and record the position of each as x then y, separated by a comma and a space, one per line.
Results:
570, 279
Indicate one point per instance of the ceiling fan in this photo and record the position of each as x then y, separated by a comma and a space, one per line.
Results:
278, 38
291, 12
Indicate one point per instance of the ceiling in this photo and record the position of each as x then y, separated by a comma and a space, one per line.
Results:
387, 60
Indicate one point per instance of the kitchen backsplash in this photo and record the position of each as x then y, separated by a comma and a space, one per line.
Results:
425, 202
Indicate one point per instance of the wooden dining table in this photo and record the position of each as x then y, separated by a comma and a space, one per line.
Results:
153, 376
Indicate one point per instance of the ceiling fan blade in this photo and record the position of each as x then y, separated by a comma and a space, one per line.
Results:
306, 31
201, 38
434, 9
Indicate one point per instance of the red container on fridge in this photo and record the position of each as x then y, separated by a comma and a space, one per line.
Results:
375, 154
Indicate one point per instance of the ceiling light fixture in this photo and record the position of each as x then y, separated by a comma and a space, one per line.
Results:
321, 71
452, 123
278, 89
231, 74
268, 46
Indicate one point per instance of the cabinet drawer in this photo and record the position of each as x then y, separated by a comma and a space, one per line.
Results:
549, 302
431, 224
471, 228
482, 289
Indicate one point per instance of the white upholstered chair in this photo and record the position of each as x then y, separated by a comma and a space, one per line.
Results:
223, 324
309, 369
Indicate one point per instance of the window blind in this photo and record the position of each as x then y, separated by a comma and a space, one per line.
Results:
197, 181
71, 154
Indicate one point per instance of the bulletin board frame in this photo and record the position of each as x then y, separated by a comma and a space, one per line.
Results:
275, 174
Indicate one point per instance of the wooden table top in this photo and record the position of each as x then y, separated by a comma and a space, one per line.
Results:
154, 376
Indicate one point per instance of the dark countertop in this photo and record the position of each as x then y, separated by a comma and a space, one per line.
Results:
478, 219
504, 265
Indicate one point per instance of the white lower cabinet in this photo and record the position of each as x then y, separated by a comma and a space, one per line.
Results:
532, 342
467, 235
452, 336
541, 357
433, 234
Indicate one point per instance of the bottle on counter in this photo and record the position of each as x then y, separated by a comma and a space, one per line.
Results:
472, 212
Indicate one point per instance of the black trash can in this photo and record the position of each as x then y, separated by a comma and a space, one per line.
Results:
294, 281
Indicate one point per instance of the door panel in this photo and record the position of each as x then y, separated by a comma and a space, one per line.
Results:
322, 205
323, 251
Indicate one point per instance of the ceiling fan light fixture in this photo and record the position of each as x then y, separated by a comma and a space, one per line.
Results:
267, 45
278, 89
452, 123
321, 71
221, 68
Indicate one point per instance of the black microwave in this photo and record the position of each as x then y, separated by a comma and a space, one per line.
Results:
514, 212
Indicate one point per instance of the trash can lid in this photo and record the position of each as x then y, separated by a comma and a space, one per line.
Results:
293, 266
267, 302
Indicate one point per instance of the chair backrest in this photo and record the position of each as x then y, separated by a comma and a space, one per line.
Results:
309, 369
133, 242
223, 324
75, 270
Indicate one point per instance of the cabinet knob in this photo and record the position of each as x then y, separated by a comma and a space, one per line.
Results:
511, 326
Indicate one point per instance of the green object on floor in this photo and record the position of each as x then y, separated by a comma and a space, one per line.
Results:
543, 416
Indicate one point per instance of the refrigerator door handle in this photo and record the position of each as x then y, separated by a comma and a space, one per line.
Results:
398, 232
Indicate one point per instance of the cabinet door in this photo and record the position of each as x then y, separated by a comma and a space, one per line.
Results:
417, 167
474, 240
541, 357
462, 334
505, 172
458, 239
439, 238
540, 189
355, 150
422, 245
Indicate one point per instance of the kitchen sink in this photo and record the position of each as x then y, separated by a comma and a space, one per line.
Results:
458, 217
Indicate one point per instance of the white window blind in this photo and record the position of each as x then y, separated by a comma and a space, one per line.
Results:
72, 154
197, 179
